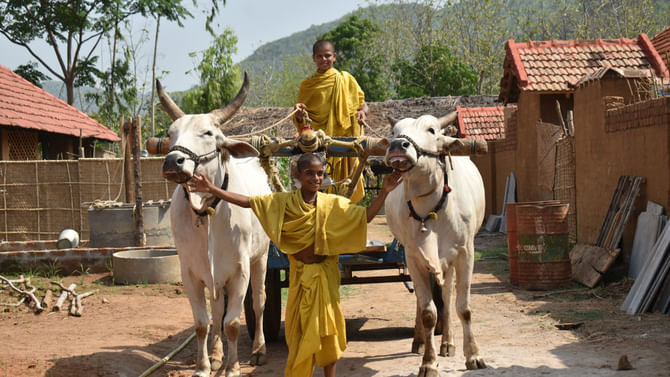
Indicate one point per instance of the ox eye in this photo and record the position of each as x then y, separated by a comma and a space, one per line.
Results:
432, 131
208, 133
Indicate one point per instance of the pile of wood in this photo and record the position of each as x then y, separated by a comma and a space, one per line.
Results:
26, 290
590, 262
650, 264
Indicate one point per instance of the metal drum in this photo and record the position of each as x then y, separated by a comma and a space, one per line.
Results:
543, 246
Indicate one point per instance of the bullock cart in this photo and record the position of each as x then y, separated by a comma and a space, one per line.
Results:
377, 256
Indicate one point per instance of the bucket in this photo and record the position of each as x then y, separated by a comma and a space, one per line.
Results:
543, 246
512, 240
68, 239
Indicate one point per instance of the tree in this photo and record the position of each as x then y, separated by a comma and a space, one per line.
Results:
74, 29
219, 77
434, 71
31, 73
354, 41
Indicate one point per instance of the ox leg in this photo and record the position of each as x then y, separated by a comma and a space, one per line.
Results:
195, 290
418, 341
447, 346
427, 316
218, 308
463, 280
236, 289
258, 350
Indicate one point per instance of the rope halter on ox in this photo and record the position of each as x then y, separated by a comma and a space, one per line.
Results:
197, 159
445, 188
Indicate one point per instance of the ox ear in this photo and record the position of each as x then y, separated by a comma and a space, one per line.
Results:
448, 143
239, 149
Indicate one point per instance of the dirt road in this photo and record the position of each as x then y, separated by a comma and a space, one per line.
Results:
124, 330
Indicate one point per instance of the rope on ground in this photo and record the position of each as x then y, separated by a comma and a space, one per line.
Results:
164, 360
269, 127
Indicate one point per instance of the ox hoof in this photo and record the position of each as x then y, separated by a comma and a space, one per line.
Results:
417, 347
428, 372
475, 362
200, 373
447, 350
258, 358
216, 365
233, 373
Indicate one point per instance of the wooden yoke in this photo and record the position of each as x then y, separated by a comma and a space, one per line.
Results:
310, 141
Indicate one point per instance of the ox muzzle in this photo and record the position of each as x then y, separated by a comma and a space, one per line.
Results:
176, 166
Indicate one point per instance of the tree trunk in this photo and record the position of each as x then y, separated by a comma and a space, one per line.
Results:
140, 237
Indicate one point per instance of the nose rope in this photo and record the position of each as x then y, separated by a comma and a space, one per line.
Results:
420, 151
197, 159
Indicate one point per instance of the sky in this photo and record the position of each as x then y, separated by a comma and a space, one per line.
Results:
255, 22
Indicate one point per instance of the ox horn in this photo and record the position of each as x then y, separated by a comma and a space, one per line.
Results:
222, 115
168, 104
448, 119
392, 120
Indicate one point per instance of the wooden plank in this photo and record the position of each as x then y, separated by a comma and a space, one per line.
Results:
628, 209
648, 273
590, 262
611, 211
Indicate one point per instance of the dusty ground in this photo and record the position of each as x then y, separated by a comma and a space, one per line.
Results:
125, 329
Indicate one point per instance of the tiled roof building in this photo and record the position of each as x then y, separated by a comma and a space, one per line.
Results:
486, 123
25, 105
661, 43
555, 66
35, 124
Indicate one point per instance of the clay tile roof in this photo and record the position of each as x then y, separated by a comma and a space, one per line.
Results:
661, 43
553, 65
25, 105
486, 123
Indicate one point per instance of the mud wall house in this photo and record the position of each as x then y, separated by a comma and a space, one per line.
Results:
36, 125
619, 131
538, 75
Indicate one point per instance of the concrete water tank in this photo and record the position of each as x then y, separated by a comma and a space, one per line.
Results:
115, 226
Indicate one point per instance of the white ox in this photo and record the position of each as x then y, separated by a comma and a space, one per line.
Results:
439, 246
224, 251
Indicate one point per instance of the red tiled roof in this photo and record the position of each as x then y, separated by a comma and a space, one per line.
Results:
25, 105
486, 123
661, 43
552, 66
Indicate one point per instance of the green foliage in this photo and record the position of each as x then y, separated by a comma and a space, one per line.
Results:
31, 73
219, 77
276, 84
434, 71
354, 41
74, 29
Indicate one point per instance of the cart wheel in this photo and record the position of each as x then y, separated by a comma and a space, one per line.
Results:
272, 312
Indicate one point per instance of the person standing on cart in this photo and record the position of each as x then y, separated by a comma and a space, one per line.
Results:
312, 228
334, 103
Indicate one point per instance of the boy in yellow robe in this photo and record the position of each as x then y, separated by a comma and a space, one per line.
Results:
335, 104
312, 228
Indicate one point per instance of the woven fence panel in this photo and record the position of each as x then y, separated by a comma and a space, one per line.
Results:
41, 198
22, 144
564, 187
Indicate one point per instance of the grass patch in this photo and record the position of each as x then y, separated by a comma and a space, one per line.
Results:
579, 316
489, 254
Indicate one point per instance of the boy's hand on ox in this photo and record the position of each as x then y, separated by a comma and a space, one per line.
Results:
199, 183
391, 181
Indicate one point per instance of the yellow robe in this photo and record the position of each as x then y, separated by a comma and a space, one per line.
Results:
315, 328
332, 99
